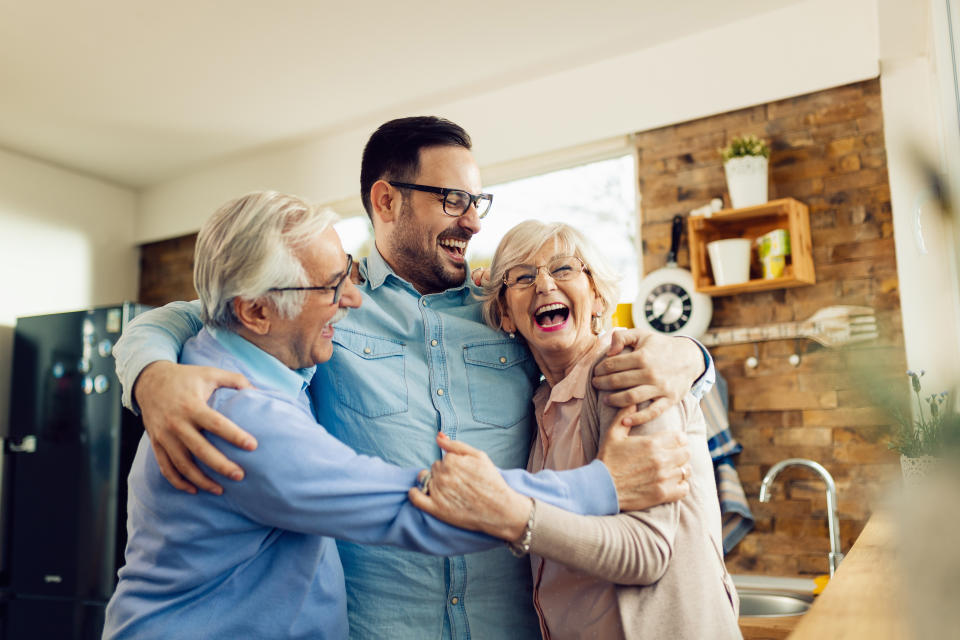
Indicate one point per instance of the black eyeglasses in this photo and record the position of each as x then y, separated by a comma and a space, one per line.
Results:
560, 268
336, 288
456, 202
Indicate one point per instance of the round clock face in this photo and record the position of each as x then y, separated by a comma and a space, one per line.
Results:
668, 303
667, 308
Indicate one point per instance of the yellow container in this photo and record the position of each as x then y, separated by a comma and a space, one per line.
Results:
623, 315
773, 266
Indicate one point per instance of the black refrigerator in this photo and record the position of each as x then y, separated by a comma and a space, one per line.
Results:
66, 460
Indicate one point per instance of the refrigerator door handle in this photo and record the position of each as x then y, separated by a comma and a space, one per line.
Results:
27, 445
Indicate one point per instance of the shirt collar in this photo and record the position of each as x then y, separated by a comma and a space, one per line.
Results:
268, 370
574, 385
375, 269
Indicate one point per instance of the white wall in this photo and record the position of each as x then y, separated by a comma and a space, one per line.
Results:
66, 243
915, 124
802, 48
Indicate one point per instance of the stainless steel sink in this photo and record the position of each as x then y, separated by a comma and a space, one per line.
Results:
757, 603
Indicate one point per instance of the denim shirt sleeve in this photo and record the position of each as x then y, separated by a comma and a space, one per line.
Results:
158, 334
706, 381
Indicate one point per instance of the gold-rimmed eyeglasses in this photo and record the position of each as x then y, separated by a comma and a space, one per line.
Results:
560, 268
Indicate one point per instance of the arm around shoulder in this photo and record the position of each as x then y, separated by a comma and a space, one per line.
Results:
173, 398
157, 335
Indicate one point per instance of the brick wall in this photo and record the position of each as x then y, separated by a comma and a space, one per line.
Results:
828, 152
166, 271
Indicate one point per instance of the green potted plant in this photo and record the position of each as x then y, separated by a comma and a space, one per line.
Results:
745, 162
922, 439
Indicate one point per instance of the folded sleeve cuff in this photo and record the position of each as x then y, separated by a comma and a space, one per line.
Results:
706, 381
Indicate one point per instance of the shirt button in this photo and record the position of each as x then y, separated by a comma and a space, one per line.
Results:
454, 600
439, 392
366, 349
423, 302
433, 343
502, 359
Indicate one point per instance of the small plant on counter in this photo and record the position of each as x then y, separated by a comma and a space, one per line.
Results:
744, 146
933, 431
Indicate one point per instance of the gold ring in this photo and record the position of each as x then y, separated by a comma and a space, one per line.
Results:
425, 483
683, 474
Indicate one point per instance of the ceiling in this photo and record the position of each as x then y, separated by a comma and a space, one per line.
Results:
136, 92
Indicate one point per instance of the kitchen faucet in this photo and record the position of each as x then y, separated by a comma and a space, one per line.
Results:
833, 523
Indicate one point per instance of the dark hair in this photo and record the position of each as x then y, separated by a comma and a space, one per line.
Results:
393, 151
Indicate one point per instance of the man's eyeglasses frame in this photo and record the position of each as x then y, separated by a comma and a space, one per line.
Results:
336, 288
481, 201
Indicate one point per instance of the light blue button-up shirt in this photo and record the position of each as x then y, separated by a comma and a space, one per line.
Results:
405, 366
257, 562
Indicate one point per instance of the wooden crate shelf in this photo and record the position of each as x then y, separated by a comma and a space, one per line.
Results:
751, 223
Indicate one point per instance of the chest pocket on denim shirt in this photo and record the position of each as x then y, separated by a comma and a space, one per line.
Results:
500, 385
370, 373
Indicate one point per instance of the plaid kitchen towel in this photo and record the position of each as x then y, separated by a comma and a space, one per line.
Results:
735, 513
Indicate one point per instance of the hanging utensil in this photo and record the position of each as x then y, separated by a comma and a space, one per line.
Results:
831, 326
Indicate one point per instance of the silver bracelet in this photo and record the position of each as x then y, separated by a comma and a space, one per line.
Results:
521, 547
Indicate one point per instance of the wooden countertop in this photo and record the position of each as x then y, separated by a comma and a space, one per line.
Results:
862, 600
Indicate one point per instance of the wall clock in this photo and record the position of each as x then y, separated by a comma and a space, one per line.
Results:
667, 301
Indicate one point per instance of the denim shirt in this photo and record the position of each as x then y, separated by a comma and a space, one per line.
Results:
404, 367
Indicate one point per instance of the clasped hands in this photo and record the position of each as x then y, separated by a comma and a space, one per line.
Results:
467, 490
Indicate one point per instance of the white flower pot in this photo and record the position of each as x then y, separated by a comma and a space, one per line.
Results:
746, 180
916, 469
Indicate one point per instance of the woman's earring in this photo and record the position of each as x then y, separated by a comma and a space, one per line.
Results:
511, 335
596, 323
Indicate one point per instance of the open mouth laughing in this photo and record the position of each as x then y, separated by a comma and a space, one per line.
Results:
552, 316
327, 331
454, 248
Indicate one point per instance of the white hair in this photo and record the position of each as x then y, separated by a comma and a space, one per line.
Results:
247, 247
518, 246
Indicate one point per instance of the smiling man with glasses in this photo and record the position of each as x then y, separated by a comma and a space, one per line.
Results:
416, 360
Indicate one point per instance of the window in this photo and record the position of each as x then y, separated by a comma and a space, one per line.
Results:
356, 235
598, 198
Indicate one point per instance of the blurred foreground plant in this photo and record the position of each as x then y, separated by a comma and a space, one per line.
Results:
933, 431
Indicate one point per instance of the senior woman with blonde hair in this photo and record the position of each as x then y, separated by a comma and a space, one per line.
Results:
656, 573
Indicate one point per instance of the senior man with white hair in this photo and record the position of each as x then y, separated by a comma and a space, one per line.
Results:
259, 561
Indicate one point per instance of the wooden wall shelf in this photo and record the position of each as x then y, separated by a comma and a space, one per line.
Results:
751, 223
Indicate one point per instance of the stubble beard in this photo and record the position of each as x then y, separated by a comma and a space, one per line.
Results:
419, 260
